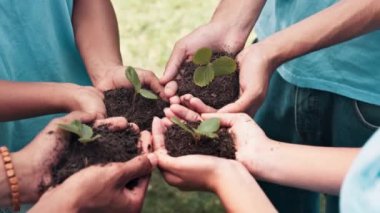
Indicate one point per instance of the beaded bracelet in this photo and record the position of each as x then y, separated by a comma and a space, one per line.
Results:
12, 178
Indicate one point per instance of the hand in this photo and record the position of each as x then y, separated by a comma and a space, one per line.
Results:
101, 189
86, 99
115, 78
186, 172
255, 71
248, 137
214, 35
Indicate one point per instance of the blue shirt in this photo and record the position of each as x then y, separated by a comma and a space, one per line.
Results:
361, 188
36, 44
350, 69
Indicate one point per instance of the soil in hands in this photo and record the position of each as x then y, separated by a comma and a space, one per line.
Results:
139, 110
220, 92
178, 142
115, 146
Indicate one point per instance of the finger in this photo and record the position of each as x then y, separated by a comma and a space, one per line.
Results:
174, 63
158, 131
184, 113
167, 163
77, 115
150, 79
146, 142
198, 105
169, 113
167, 122
115, 123
137, 167
171, 179
171, 89
175, 100
228, 119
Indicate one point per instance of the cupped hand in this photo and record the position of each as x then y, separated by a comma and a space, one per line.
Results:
190, 172
101, 188
213, 35
86, 99
248, 137
115, 78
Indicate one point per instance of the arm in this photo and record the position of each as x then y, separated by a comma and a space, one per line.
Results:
313, 168
22, 100
350, 19
97, 37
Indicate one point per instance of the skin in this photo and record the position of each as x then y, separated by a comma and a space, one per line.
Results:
102, 189
32, 165
257, 62
236, 188
34, 99
279, 162
97, 38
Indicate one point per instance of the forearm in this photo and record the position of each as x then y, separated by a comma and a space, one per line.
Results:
313, 168
238, 17
343, 21
239, 192
97, 37
22, 100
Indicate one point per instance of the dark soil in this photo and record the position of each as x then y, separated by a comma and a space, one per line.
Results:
119, 103
179, 142
116, 146
220, 92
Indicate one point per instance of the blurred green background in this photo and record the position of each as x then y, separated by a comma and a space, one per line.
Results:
148, 31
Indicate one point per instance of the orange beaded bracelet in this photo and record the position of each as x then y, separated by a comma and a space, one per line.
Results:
12, 178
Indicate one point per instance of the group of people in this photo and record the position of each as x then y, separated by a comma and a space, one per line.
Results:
309, 100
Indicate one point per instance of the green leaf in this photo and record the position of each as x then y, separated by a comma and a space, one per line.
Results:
179, 123
132, 76
203, 76
210, 135
88, 140
148, 94
224, 66
86, 132
202, 56
209, 126
72, 127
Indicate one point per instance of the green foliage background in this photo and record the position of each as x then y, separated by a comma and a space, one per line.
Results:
148, 31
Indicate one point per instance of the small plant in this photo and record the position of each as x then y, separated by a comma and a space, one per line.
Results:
207, 128
207, 70
132, 76
83, 131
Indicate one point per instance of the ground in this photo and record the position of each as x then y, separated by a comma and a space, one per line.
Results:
148, 31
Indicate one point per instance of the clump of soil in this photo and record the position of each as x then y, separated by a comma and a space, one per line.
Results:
139, 110
220, 92
178, 142
115, 146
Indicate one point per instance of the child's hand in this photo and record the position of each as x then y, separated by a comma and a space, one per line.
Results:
85, 99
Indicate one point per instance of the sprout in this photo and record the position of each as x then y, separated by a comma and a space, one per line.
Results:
207, 70
84, 132
207, 128
132, 76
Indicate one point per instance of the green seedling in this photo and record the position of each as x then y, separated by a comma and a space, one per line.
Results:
83, 131
207, 70
132, 76
207, 128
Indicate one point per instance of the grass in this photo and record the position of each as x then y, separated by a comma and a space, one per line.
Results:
148, 31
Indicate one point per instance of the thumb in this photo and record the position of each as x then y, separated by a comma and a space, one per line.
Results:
228, 119
177, 57
137, 167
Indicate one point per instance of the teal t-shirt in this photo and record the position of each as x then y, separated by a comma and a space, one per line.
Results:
36, 44
350, 69
361, 188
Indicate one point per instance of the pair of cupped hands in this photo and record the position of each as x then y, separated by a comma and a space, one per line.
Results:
102, 188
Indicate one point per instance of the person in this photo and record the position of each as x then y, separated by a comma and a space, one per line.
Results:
59, 41
32, 166
328, 96
239, 192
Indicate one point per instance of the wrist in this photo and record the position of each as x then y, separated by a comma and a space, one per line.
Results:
232, 39
224, 173
102, 77
57, 200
